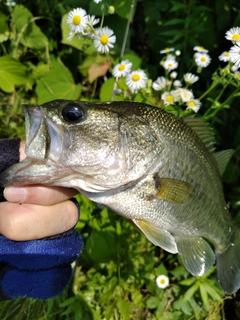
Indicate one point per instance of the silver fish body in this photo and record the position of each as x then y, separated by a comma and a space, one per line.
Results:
145, 164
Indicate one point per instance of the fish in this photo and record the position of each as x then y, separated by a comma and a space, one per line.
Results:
147, 165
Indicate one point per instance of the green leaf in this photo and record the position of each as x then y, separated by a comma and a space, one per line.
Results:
174, 22
161, 270
58, 83
12, 72
106, 90
124, 309
40, 70
122, 8
204, 295
152, 302
187, 282
4, 32
100, 246
213, 291
30, 34
132, 57
190, 292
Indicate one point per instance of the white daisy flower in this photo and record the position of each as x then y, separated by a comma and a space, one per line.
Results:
136, 80
234, 68
77, 20
171, 56
235, 55
170, 64
167, 50
122, 69
190, 78
200, 49
159, 84
92, 21
89, 30
237, 75
225, 56
10, 3
162, 281
71, 35
194, 104
173, 75
169, 97
104, 39
233, 34
178, 53
202, 60
177, 83
97, 1
184, 94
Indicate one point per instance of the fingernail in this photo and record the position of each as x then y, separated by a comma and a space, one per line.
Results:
15, 194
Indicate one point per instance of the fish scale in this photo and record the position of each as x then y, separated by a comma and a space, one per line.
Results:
145, 164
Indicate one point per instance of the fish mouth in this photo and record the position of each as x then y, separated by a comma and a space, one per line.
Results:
44, 138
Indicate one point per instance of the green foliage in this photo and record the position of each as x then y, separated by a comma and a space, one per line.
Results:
12, 73
115, 277
57, 83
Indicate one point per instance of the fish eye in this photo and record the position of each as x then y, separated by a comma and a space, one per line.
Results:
73, 113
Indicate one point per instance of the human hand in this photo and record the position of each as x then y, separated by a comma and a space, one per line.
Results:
34, 212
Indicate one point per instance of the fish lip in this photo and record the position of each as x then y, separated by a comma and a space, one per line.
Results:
33, 118
44, 138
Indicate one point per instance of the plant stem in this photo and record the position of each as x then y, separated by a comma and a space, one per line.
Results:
214, 84
124, 41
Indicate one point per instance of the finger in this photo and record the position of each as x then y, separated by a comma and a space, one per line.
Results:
22, 222
38, 194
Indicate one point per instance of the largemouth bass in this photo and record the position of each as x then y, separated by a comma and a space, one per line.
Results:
145, 164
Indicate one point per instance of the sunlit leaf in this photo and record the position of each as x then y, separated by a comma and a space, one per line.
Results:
190, 292
58, 83
152, 302
4, 31
204, 295
106, 90
29, 34
12, 73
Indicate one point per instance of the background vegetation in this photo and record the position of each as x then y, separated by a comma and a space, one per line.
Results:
115, 275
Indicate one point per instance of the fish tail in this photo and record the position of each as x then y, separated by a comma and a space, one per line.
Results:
228, 265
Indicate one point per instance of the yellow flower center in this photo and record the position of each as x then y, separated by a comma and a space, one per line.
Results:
237, 76
169, 98
203, 59
121, 67
236, 37
170, 65
201, 48
76, 20
191, 104
135, 77
227, 54
104, 39
162, 281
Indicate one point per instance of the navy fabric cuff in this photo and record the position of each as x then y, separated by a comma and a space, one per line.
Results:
41, 254
40, 284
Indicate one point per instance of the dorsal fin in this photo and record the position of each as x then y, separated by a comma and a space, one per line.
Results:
222, 158
202, 129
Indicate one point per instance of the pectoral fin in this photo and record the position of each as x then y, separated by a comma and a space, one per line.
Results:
158, 237
222, 158
197, 255
174, 190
